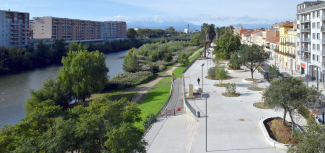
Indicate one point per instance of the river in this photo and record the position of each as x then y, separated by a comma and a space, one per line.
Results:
14, 89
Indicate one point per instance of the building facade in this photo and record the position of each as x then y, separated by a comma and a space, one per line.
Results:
291, 43
120, 28
237, 29
14, 28
283, 48
310, 39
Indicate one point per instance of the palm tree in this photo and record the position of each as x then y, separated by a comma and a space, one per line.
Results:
207, 39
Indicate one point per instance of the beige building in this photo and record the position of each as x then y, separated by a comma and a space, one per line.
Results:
64, 28
14, 28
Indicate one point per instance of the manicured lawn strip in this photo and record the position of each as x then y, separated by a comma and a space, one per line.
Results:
193, 57
155, 99
179, 71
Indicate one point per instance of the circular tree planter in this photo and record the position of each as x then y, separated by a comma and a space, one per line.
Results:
236, 70
230, 95
261, 105
229, 77
250, 80
268, 137
255, 88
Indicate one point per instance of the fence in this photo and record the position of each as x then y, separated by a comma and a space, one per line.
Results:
158, 115
187, 104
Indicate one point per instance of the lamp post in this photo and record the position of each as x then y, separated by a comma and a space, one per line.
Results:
202, 79
206, 124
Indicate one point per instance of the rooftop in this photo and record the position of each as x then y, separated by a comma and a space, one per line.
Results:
273, 39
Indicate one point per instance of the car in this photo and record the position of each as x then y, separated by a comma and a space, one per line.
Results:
319, 119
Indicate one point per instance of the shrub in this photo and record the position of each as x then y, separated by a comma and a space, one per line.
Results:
221, 72
154, 69
125, 80
212, 72
184, 59
151, 118
234, 62
231, 88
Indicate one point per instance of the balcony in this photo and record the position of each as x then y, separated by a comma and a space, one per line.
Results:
305, 49
291, 55
305, 30
305, 39
291, 43
306, 59
305, 20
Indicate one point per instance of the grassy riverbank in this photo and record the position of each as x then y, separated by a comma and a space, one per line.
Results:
155, 99
178, 71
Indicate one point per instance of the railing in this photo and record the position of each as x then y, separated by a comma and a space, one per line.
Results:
305, 30
291, 55
305, 49
187, 104
291, 43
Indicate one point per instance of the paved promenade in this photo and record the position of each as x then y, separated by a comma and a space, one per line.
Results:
232, 121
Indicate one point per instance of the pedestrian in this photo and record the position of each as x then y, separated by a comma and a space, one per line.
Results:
198, 81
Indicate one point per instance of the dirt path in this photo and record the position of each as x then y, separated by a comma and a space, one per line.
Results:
144, 88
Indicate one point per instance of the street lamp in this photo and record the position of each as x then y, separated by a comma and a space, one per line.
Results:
202, 79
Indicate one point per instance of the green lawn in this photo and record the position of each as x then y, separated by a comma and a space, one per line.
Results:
178, 71
155, 99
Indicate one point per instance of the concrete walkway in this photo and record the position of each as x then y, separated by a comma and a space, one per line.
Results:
232, 121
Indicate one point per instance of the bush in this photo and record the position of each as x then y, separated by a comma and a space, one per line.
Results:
151, 118
212, 72
231, 88
184, 59
154, 69
221, 72
126, 80
234, 62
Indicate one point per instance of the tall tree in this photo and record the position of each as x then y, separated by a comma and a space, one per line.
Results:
59, 50
288, 94
83, 73
312, 140
227, 44
131, 61
131, 33
252, 56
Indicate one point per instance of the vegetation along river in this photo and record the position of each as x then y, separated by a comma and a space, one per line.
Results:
14, 89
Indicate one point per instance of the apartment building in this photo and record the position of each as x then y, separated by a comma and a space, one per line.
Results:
64, 28
120, 29
14, 28
291, 45
237, 29
311, 39
272, 46
108, 30
254, 35
284, 48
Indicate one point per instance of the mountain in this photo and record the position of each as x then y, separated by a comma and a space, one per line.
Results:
179, 26
253, 26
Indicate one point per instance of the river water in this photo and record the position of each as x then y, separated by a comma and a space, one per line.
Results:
14, 89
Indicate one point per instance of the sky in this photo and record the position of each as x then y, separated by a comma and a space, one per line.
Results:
218, 12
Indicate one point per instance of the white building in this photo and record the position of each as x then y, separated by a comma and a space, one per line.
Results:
311, 39
185, 30
237, 29
14, 28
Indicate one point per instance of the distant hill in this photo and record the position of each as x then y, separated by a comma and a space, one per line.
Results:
179, 26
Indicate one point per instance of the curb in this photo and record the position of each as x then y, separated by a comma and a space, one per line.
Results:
269, 140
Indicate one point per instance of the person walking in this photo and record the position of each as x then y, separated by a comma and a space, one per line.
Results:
198, 81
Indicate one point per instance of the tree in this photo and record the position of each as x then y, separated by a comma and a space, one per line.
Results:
274, 70
4, 58
184, 59
59, 50
288, 94
312, 140
131, 33
234, 62
170, 30
83, 73
103, 126
252, 56
207, 35
131, 61
227, 44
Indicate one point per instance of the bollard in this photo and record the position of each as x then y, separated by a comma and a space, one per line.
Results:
198, 114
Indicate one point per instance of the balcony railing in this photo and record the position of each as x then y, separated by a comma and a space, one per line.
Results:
291, 55
306, 59
305, 30
291, 43
305, 49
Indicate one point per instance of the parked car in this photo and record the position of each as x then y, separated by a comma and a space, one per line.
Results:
319, 119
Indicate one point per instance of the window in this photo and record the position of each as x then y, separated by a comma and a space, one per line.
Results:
298, 35
313, 25
318, 35
318, 47
313, 35
298, 17
317, 57
313, 56
297, 43
313, 14
298, 25
313, 46
318, 25
318, 13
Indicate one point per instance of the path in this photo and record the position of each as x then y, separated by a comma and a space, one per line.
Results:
144, 88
